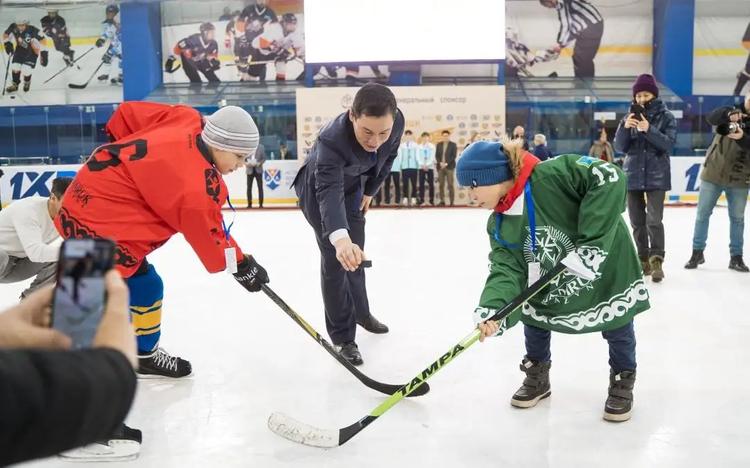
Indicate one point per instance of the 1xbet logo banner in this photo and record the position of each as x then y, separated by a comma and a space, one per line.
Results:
35, 183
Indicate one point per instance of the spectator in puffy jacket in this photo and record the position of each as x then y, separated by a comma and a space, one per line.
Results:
646, 135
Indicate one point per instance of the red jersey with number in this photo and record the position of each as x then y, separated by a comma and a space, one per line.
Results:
154, 180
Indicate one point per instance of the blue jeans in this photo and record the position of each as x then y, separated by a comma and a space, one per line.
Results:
707, 198
621, 346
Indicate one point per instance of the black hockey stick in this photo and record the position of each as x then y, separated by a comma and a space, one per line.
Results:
388, 389
7, 67
69, 65
77, 86
302, 433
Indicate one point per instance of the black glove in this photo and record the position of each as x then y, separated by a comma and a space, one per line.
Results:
100, 42
8, 47
250, 274
44, 58
214, 64
169, 64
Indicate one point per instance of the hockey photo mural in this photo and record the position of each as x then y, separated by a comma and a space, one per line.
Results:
60, 55
210, 42
581, 38
721, 48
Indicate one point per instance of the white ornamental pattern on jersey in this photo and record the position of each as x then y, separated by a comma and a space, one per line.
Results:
607, 311
552, 245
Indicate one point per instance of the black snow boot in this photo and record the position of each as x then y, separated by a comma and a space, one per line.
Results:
620, 400
535, 386
695, 260
737, 264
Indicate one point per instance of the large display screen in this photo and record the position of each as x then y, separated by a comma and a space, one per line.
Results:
342, 31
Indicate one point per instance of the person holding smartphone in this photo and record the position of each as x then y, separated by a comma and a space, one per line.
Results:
646, 135
37, 367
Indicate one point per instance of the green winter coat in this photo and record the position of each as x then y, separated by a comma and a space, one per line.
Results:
578, 204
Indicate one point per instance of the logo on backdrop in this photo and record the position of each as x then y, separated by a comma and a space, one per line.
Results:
32, 183
272, 178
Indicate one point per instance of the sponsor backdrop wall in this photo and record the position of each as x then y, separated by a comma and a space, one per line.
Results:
625, 48
84, 26
460, 109
721, 47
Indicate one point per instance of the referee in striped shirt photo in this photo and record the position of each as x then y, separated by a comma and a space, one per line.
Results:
581, 22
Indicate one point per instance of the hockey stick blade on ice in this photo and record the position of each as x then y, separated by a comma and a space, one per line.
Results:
296, 431
77, 86
384, 388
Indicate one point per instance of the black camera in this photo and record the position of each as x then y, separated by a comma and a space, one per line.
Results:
728, 128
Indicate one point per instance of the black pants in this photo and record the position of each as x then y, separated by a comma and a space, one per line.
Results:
396, 178
427, 177
258, 177
192, 71
646, 210
344, 293
409, 177
587, 45
258, 71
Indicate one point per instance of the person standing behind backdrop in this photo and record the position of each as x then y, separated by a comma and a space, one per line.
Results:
409, 167
647, 139
426, 159
254, 169
445, 156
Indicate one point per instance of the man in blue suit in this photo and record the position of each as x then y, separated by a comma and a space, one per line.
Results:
348, 163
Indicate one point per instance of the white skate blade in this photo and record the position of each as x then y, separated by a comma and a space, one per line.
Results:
296, 431
575, 265
115, 451
163, 377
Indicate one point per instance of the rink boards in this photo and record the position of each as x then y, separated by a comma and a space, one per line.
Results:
278, 176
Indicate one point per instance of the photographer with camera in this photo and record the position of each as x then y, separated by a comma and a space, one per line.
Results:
646, 135
726, 169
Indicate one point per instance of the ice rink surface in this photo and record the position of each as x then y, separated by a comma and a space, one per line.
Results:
249, 359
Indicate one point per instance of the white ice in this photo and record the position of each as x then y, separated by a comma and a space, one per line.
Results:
691, 406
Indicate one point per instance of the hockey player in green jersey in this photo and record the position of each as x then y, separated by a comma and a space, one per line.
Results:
542, 212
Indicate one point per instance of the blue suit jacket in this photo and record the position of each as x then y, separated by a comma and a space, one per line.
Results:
338, 170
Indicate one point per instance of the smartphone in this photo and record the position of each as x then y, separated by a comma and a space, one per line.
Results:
637, 110
80, 294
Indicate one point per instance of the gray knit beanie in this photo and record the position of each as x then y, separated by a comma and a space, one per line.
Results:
231, 129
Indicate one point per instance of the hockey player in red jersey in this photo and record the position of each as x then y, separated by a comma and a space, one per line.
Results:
161, 175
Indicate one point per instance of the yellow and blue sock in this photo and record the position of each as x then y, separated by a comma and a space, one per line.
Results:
146, 295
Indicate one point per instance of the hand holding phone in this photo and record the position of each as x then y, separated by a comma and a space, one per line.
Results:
637, 110
78, 303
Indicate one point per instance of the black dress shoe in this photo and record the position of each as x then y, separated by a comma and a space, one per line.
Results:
372, 325
350, 352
